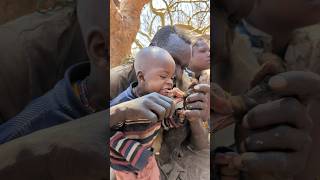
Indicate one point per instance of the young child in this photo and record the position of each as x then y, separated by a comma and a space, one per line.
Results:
200, 59
130, 145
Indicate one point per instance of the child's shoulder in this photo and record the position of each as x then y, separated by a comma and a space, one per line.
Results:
124, 96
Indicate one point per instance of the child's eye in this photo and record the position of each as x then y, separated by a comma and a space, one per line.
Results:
163, 77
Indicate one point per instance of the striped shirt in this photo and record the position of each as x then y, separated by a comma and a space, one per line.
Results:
131, 140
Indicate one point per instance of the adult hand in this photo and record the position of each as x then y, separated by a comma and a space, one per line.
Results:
154, 107
226, 165
278, 139
197, 103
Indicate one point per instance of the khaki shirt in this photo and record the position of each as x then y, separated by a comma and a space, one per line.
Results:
120, 79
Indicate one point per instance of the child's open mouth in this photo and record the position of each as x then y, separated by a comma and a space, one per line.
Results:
166, 92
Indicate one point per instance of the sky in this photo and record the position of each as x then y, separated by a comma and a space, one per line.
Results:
145, 17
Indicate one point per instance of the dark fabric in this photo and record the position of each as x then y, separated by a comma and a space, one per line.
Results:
126, 95
57, 106
74, 150
35, 51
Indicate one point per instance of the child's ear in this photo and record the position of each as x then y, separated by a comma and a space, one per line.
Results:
140, 76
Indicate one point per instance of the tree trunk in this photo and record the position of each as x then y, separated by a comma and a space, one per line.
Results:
124, 26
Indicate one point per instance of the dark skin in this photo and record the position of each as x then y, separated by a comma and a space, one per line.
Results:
302, 104
45, 154
281, 18
197, 106
224, 33
155, 106
200, 57
181, 53
150, 106
197, 102
94, 28
295, 152
155, 71
81, 142
294, 128
237, 9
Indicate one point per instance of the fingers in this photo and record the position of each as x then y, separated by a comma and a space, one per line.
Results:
281, 138
256, 162
152, 116
196, 97
196, 106
284, 111
155, 108
285, 164
192, 114
203, 88
169, 106
303, 84
165, 98
178, 93
165, 102
273, 65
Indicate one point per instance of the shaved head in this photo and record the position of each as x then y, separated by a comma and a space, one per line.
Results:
152, 57
155, 70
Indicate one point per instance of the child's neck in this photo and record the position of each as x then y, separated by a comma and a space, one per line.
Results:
139, 91
281, 35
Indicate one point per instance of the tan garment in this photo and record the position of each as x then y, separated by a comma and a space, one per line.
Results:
189, 165
120, 79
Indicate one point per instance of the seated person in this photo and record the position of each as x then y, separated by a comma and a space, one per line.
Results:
177, 43
200, 59
171, 38
154, 69
83, 90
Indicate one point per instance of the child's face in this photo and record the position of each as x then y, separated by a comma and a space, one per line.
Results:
201, 56
291, 13
159, 78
